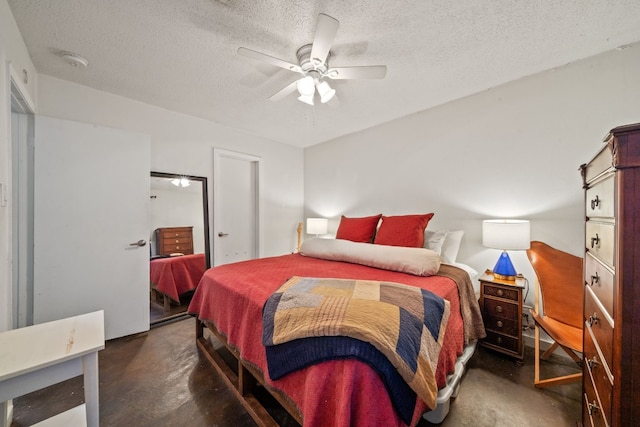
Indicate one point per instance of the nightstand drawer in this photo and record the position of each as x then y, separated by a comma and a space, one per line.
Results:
501, 292
598, 325
500, 309
504, 326
504, 341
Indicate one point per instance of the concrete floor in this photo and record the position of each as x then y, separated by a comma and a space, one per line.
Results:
160, 379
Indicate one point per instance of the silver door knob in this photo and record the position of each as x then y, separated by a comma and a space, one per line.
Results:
221, 234
138, 243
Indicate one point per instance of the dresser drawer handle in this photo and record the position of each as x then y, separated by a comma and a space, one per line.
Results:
499, 324
593, 408
499, 308
500, 292
499, 340
595, 202
593, 363
595, 241
593, 319
595, 279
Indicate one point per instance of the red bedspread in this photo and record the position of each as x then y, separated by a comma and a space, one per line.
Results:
174, 276
338, 393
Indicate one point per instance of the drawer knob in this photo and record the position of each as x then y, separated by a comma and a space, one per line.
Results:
499, 340
595, 202
595, 241
593, 363
595, 279
593, 319
593, 408
500, 292
499, 308
499, 324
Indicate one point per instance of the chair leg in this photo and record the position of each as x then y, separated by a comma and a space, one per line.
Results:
536, 340
549, 351
565, 379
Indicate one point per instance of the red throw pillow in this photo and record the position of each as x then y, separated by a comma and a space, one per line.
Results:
358, 229
403, 230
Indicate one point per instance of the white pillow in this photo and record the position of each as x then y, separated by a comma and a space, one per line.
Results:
416, 261
434, 240
451, 246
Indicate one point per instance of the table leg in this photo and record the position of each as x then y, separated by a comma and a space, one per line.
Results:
91, 383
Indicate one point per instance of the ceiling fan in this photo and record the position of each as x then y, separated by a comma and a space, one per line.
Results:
313, 64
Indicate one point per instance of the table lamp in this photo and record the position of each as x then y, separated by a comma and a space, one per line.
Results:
506, 234
317, 226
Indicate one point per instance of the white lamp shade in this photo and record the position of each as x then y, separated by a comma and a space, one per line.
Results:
326, 92
306, 86
317, 225
506, 234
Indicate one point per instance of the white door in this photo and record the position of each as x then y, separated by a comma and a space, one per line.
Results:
236, 201
91, 201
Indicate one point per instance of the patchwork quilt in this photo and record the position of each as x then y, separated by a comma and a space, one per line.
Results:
391, 326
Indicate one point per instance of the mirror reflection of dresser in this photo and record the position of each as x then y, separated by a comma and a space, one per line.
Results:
171, 240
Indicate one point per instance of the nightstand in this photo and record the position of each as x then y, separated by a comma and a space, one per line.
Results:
501, 305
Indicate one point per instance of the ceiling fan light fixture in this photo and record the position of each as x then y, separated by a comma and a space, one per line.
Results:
181, 182
306, 86
307, 99
326, 92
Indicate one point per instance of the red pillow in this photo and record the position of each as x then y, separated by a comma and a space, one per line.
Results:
358, 229
403, 230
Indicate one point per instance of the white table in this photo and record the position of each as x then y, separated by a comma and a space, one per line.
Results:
38, 356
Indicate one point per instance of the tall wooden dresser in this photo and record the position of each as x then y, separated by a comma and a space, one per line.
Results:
611, 369
171, 240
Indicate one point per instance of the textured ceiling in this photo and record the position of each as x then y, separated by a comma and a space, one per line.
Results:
182, 55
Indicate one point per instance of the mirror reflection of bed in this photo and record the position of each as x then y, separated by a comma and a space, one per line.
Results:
179, 237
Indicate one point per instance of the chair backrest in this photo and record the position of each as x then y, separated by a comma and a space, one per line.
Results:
561, 282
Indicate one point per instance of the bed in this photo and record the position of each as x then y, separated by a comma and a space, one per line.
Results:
344, 392
171, 277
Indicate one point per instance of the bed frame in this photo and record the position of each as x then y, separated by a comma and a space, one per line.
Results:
244, 383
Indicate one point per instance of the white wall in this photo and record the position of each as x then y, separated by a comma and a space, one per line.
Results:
512, 151
175, 208
12, 51
184, 144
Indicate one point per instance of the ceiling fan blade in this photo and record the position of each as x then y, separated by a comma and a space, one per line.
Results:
364, 72
268, 59
284, 91
326, 30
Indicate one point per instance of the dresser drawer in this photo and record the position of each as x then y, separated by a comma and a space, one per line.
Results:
598, 325
600, 199
600, 163
503, 341
600, 241
177, 234
600, 280
591, 412
176, 240
496, 291
595, 371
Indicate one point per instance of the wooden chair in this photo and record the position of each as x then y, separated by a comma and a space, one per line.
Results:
560, 286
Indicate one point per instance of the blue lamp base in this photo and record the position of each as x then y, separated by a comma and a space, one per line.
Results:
504, 269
